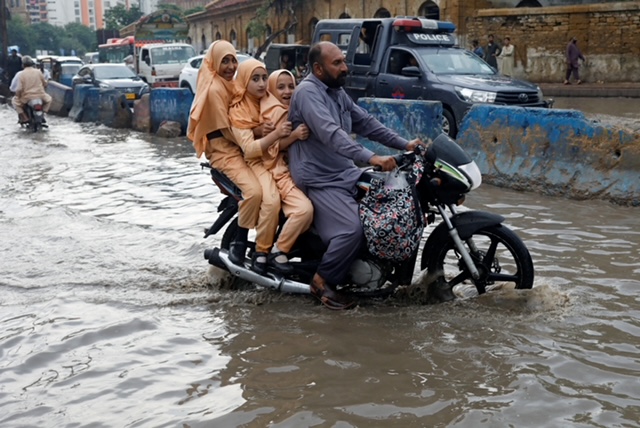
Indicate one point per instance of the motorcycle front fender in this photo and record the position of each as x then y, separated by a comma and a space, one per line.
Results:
469, 222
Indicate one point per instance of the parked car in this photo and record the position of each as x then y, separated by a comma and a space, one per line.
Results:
112, 76
189, 74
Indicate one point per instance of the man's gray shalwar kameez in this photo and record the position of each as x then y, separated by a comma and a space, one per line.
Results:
323, 167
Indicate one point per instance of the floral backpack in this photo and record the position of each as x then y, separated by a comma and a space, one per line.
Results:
391, 215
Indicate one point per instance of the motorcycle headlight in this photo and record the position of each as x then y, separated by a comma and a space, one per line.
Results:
104, 85
474, 96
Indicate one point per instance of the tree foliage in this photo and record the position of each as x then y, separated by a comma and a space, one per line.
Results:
118, 16
47, 37
19, 33
257, 27
194, 10
169, 6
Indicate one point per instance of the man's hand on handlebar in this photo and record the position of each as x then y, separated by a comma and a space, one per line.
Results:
383, 163
418, 142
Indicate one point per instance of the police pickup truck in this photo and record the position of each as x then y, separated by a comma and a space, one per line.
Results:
416, 58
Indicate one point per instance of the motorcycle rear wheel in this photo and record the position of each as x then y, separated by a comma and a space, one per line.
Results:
500, 256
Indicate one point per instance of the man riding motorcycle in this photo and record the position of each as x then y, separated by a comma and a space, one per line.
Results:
29, 84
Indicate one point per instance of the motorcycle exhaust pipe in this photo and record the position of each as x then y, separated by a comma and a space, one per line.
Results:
220, 258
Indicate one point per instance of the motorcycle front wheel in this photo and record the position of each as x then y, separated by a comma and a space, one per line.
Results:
498, 254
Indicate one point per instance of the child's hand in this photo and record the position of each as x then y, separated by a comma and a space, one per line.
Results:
302, 132
267, 128
284, 129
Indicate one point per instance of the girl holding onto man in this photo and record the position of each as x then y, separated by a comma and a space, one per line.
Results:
252, 106
210, 131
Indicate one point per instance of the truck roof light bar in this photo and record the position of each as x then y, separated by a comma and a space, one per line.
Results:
414, 25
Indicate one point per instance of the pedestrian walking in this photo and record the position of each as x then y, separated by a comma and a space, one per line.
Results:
573, 55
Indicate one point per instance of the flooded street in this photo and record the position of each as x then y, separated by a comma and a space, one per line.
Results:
110, 316
621, 112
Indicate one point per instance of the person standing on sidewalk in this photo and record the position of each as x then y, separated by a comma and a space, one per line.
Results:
573, 54
491, 52
506, 57
477, 49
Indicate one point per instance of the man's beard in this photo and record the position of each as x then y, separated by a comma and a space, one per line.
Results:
337, 82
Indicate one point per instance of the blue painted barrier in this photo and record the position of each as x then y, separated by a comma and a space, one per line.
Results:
555, 152
77, 109
170, 104
91, 106
114, 110
409, 118
61, 98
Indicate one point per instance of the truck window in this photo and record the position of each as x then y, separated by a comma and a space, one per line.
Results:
399, 59
171, 54
343, 40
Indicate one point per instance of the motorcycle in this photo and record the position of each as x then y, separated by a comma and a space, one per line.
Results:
35, 115
466, 247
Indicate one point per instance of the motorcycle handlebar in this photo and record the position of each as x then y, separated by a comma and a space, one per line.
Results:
402, 160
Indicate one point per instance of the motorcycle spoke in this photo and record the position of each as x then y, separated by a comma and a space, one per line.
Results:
459, 279
490, 254
502, 277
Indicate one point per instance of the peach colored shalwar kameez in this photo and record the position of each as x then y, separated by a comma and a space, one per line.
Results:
244, 115
210, 113
295, 204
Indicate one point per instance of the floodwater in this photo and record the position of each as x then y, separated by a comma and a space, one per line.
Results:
110, 316
621, 112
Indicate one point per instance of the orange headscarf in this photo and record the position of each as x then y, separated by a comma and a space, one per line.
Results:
271, 108
245, 108
210, 108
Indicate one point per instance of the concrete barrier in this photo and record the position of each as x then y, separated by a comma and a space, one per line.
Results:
61, 98
114, 110
142, 114
410, 119
554, 152
106, 106
77, 109
170, 104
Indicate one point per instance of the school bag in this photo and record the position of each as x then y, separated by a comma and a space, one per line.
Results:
391, 215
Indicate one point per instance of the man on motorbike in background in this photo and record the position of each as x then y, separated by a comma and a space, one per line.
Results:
29, 84
323, 165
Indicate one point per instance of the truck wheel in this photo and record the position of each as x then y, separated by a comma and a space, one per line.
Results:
449, 123
187, 85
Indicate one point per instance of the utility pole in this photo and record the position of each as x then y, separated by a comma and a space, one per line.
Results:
4, 16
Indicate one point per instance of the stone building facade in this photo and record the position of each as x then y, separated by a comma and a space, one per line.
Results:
608, 32
608, 35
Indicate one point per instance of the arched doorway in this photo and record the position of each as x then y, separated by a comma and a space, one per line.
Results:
382, 13
203, 42
429, 10
529, 3
233, 38
218, 35
312, 26
291, 33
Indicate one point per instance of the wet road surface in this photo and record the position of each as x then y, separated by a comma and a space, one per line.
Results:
110, 317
